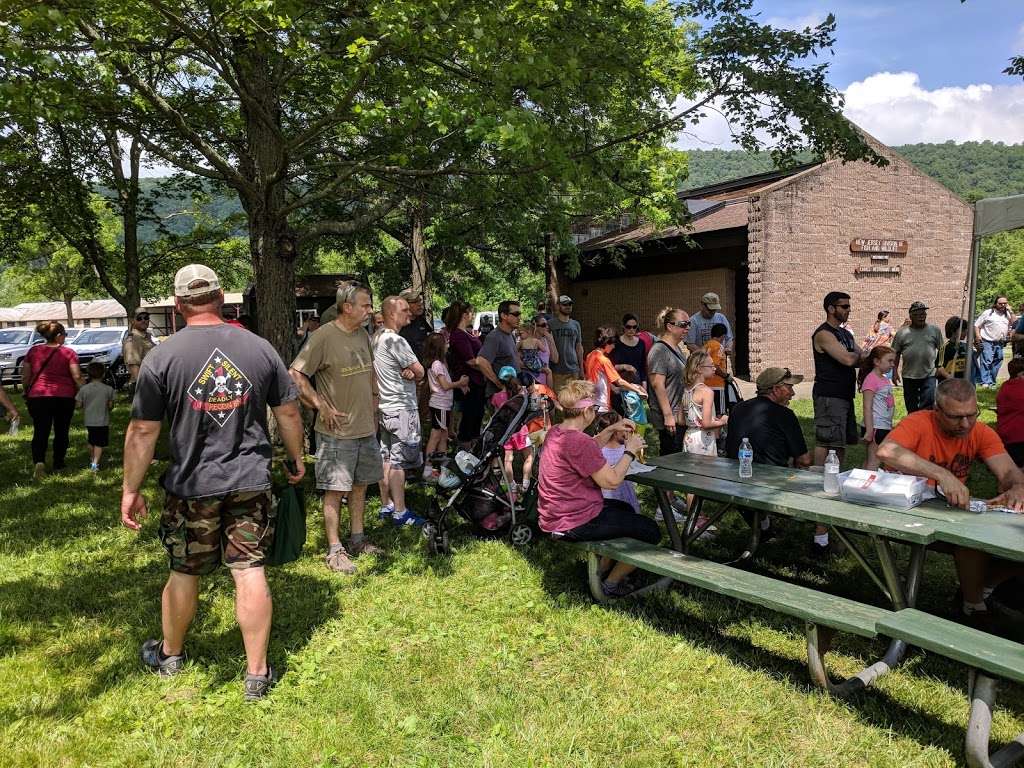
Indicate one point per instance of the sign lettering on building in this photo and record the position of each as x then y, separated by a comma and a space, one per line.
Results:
877, 270
871, 245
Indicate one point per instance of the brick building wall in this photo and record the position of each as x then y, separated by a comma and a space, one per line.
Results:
799, 236
604, 302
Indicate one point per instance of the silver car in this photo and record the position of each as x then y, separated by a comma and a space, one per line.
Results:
103, 345
14, 345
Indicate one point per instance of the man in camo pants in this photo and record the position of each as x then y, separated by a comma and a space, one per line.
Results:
213, 382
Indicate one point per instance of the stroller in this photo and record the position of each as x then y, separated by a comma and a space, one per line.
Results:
480, 490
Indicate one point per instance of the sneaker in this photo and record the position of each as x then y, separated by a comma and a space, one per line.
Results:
407, 518
152, 656
94, 467
258, 686
364, 547
338, 561
387, 512
618, 589
40, 471
710, 534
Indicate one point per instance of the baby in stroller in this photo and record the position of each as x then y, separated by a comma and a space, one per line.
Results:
480, 482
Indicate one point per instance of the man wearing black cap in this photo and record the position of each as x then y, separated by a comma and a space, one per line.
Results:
419, 327
919, 346
769, 423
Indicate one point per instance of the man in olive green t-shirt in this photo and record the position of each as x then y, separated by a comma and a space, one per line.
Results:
919, 345
338, 356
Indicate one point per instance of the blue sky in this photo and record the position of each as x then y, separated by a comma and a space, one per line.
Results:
913, 70
945, 42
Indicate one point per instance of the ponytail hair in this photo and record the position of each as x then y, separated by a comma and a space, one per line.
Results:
50, 329
868, 365
663, 317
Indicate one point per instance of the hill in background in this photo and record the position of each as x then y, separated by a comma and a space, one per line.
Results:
972, 170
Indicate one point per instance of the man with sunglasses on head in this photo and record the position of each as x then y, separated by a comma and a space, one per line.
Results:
941, 445
499, 348
136, 346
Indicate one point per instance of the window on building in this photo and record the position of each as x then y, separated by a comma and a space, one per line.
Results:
103, 322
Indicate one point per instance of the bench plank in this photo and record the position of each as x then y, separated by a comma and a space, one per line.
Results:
827, 511
995, 655
791, 599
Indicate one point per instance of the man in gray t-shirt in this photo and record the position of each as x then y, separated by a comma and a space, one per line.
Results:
397, 371
213, 382
568, 338
919, 345
499, 348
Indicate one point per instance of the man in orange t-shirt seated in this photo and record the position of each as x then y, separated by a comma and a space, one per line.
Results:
941, 445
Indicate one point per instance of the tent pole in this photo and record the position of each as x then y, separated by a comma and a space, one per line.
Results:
971, 306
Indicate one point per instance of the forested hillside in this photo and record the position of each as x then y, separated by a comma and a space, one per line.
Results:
973, 170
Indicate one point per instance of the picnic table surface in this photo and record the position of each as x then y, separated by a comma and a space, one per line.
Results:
799, 493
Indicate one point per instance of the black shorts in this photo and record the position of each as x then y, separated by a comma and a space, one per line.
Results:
439, 418
615, 520
1016, 451
99, 437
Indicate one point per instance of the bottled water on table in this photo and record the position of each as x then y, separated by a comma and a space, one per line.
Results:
831, 482
746, 456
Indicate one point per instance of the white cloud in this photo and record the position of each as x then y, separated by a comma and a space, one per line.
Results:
896, 109
798, 23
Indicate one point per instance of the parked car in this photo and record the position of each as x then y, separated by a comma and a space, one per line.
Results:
103, 345
14, 344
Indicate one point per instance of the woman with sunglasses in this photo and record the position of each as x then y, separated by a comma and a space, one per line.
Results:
665, 373
573, 472
547, 349
630, 350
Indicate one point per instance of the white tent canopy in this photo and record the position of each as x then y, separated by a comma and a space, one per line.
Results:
991, 215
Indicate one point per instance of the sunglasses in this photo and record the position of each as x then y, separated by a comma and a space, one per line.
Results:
958, 416
142, 317
631, 326
541, 325
514, 314
678, 323
842, 306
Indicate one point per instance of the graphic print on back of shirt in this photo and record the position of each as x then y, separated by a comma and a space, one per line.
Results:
219, 388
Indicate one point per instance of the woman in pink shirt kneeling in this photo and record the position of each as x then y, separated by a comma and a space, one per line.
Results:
573, 472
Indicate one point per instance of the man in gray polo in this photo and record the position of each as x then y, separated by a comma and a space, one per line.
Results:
397, 371
338, 357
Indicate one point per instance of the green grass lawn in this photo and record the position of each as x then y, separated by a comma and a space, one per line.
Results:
491, 657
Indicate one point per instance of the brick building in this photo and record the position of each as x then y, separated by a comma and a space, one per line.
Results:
773, 245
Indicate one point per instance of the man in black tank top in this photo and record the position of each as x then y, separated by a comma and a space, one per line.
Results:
836, 358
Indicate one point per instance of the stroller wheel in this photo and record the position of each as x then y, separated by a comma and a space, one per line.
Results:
437, 539
520, 535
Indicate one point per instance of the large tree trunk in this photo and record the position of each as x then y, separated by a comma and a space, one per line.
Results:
420, 257
70, 309
273, 252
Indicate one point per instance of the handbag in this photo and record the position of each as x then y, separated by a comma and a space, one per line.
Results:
290, 529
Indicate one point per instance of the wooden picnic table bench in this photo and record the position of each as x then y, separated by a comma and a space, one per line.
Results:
798, 494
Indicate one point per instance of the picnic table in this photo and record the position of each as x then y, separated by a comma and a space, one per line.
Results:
798, 494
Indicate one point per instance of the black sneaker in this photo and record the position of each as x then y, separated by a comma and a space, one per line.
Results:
619, 589
152, 656
258, 686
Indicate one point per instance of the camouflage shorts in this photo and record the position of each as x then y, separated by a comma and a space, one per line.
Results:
199, 533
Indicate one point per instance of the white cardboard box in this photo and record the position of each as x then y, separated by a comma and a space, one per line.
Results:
873, 486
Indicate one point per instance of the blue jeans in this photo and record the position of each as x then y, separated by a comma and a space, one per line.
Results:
990, 361
919, 394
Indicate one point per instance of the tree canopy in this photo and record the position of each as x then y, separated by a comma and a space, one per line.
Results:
494, 121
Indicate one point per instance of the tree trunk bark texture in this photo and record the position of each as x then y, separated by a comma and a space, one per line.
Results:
420, 257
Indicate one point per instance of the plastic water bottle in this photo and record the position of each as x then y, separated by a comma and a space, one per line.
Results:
746, 459
831, 482
15, 425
